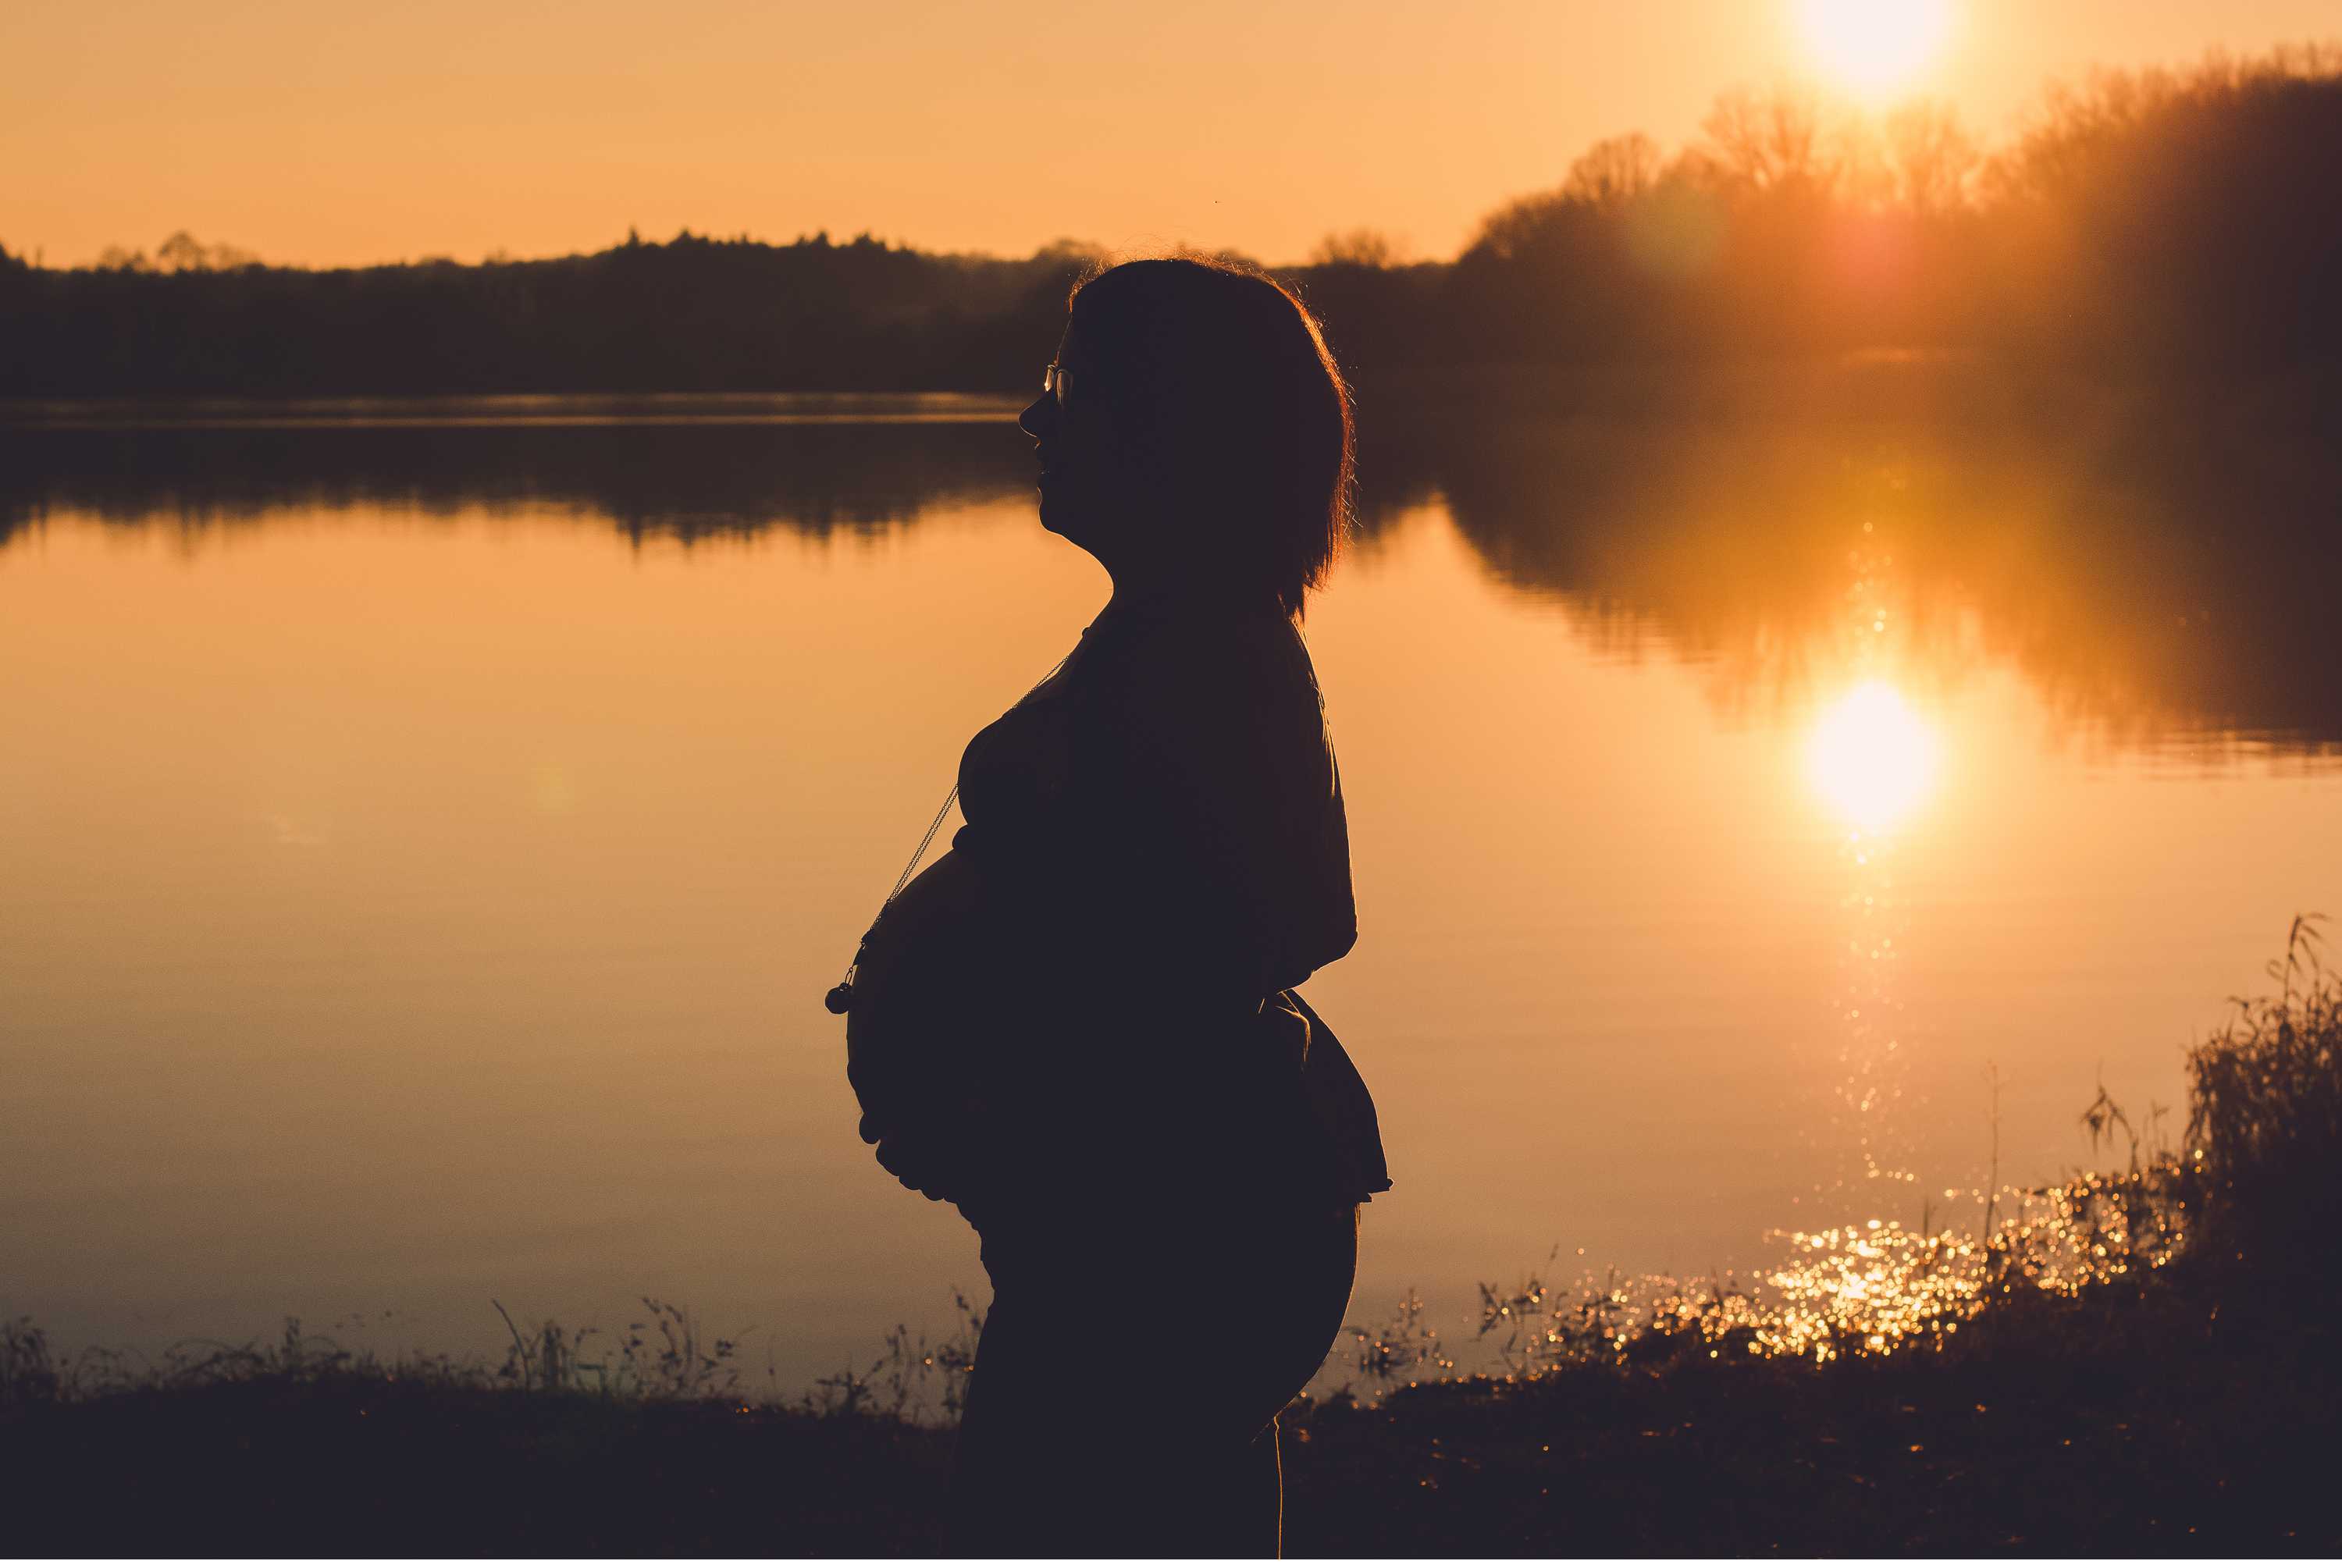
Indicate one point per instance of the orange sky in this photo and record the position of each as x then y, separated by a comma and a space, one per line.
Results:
326, 134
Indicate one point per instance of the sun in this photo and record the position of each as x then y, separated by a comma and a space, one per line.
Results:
1871, 756
1873, 47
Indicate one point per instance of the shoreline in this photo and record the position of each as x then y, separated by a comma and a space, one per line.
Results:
2176, 1414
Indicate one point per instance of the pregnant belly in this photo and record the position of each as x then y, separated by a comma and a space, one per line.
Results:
934, 993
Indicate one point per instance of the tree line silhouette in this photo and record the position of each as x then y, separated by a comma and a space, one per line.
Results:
2145, 220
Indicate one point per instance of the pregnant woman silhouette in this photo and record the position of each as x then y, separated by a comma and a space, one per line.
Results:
1079, 1024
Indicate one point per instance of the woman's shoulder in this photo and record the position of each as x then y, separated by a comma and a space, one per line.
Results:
1251, 650
1239, 688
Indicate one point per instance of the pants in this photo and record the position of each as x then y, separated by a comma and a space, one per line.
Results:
1127, 1385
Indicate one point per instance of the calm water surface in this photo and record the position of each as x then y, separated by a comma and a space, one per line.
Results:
428, 832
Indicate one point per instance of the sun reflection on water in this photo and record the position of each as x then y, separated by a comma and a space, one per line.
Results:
1873, 759
1871, 756
1866, 1288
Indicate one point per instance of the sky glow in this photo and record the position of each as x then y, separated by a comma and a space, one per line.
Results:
338, 136
1873, 47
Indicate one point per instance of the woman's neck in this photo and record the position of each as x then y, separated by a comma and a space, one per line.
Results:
1167, 593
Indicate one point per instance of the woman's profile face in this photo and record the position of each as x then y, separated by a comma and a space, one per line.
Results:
1079, 468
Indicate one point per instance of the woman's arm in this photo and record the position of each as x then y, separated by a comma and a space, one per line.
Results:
1216, 847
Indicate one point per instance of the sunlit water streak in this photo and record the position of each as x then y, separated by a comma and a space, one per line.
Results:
1870, 1288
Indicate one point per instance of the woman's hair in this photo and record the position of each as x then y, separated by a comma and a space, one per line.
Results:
1218, 383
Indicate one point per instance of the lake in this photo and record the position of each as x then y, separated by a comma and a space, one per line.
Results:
429, 828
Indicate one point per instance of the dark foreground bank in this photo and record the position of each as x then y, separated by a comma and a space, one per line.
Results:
2190, 1414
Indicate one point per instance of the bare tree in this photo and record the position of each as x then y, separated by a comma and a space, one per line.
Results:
1615, 169
1931, 158
1359, 247
185, 253
1772, 140
182, 253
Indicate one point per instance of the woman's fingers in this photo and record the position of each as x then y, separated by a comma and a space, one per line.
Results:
923, 1160
914, 1162
899, 1159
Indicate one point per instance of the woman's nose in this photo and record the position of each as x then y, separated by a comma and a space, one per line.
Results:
1040, 416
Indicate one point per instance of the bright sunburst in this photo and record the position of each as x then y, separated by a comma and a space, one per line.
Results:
1871, 756
1873, 47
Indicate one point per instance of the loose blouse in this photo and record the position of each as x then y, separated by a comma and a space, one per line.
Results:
1159, 831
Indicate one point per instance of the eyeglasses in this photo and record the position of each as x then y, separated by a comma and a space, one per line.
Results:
1052, 380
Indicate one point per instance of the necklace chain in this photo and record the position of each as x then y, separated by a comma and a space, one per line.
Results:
845, 989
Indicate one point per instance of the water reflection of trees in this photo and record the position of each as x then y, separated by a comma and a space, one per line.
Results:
2159, 572
685, 481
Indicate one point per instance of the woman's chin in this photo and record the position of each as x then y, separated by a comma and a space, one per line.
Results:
1060, 516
